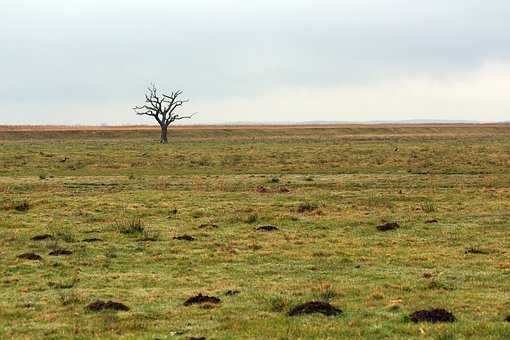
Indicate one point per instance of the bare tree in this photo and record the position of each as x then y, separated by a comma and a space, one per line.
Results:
163, 108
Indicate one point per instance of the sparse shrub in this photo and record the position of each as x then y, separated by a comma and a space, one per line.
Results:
375, 200
324, 293
131, 225
22, 206
197, 214
111, 253
63, 284
278, 303
43, 176
306, 207
201, 162
231, 160
68, 297
252, 218
65, 235
309, 179
428, 207
150, 235
435, 284
274, 180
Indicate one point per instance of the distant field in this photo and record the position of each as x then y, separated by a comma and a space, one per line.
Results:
325, 187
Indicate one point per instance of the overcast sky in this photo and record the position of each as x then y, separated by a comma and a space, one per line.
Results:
89, 61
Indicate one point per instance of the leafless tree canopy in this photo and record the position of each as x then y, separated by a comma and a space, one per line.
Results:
163, 108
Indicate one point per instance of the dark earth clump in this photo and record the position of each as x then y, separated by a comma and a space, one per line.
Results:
195, 338
60, 252
30, 256
476, 250
99, 305
232, 292
315, 307
42, 237
388, 226
22, 206
198, 299
306, 207
208, 225
434, 221
93, 239
184, 238
507, 319
261, 189
267, 228
432, 315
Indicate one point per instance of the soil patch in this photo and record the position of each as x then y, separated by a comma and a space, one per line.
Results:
60, 252
507, 319
268, 228
388, 226
93, 239
315, 307
306, 207
476, 250
42, 237
262, 190
432, 315
195, 338
199, 299
184, 238
30, 256
434, 221
208, 225
99, 305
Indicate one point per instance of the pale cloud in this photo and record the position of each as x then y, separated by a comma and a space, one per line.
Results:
480, 94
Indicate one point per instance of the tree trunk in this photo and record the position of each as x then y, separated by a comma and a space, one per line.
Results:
164, 134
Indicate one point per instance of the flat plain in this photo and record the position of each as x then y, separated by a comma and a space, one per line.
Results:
151, 225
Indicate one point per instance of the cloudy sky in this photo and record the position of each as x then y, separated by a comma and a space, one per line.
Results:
89, 61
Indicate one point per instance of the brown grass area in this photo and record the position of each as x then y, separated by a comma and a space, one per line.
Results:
11, 128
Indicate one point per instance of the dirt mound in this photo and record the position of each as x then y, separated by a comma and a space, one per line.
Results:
199, 299
23, 206
60, 252
476, 250
388, 226
208, 225
261, 189
315, 307
42, 237
93, 239
232, 292
267, 228
432, 315
99, 305
306, 207
184, 238
30, 256
433, 221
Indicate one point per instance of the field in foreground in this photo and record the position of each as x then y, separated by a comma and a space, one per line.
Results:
325, 188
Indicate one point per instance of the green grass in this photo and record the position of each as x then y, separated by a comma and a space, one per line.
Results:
136, 196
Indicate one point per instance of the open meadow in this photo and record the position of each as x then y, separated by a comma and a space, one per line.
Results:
149, 226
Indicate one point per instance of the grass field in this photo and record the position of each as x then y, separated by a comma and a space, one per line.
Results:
326, 189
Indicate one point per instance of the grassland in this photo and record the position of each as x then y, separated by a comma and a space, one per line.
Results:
325, 188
